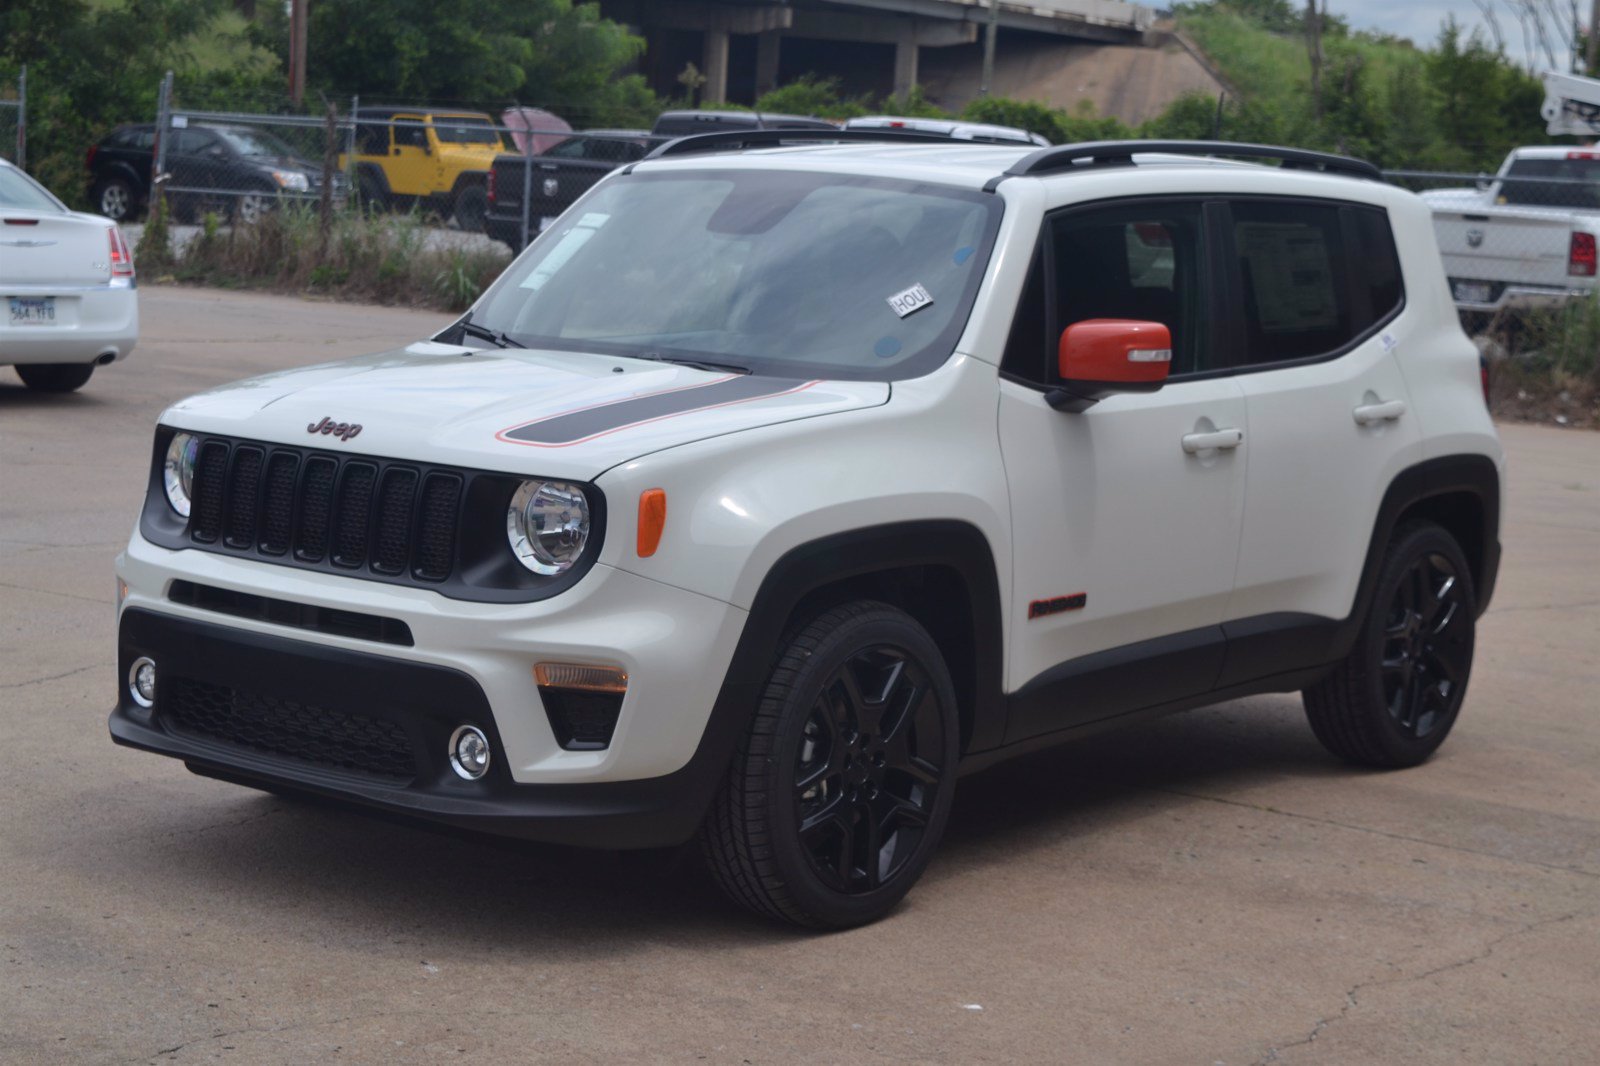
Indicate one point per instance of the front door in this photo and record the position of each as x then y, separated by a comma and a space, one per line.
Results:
1126, 517
411, 165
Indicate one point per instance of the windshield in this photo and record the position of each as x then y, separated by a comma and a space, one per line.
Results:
456, 129
1571, 182
255, 143
807, 275
19, 190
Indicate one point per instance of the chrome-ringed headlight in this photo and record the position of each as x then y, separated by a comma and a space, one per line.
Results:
177, 471
547, 525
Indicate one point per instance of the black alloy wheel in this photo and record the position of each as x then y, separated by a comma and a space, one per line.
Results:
867, 769
842, 785
1424, 660
1394, 698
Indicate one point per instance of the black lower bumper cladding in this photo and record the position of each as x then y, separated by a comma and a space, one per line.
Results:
370, 731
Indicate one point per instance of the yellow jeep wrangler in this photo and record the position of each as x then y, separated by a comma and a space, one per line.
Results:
417, 157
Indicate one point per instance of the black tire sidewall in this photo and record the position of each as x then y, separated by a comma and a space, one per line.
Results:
885, 626
55, 377
471, 205
1410, 546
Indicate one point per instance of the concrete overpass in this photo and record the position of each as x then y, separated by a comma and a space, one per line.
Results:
906, 26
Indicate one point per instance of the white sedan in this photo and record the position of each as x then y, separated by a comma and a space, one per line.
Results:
67, 298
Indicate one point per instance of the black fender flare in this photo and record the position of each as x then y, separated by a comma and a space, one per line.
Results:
368, 169
466, 178
1468, 475
807, 568
140, 183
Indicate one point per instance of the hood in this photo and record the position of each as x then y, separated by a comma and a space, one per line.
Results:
557, 414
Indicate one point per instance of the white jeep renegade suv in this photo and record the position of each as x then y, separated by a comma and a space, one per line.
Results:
770, 491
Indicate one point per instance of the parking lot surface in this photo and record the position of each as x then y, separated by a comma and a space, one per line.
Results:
1210, 888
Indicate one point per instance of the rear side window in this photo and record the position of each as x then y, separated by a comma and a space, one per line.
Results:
1314, 277
1571, 182
1293, 270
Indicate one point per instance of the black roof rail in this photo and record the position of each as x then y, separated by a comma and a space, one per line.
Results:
1120, 153
733, 140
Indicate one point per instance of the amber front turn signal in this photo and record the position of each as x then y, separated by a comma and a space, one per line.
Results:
580, 677
652, 520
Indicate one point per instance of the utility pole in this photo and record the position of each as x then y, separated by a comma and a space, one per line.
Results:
297, 51
1593, 60
990, 32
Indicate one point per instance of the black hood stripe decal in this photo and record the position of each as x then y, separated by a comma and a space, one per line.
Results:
574, 427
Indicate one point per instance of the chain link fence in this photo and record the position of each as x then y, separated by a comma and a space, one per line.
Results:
1519, 249
14, 120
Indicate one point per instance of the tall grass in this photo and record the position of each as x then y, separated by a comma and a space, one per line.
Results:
378, 258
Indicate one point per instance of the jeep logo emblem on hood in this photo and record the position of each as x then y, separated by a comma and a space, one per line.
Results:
328, 427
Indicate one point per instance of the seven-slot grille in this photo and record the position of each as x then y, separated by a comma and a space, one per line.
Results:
356, 514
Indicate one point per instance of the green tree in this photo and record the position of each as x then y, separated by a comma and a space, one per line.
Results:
550, 53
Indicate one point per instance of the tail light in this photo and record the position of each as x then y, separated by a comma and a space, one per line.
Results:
88, 160
121, 256
1483, 376
1581, 260
488, 187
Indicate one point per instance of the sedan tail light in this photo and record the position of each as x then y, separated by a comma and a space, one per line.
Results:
121, 256
88, 160
489, 186
1581, 260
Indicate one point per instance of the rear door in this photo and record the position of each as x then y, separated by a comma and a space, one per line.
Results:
1322, 296
1125, 536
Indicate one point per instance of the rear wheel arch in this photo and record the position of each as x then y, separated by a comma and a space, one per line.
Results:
1461, 494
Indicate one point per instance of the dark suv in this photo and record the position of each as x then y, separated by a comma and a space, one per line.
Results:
238, 171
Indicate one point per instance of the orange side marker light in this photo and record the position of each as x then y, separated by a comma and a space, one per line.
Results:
652, 520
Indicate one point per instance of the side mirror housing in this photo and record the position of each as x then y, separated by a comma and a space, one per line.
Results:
1103, 356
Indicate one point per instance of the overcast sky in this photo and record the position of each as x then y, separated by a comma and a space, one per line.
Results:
1420, 19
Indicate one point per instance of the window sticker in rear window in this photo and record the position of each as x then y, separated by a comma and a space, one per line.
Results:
1292, 275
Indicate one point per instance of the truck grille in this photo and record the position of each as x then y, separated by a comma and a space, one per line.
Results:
356, 514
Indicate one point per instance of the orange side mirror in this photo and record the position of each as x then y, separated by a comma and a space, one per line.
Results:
1102, 356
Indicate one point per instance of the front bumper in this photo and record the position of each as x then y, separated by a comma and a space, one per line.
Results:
378, 735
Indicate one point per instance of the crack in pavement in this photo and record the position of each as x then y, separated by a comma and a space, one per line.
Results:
1352, 994
1376, 832
103, 601
53, 677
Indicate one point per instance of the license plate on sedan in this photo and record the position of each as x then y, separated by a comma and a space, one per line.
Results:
33, 311
1472, 292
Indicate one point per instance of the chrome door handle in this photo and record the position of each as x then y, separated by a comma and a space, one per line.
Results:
1388, 411
1220, 439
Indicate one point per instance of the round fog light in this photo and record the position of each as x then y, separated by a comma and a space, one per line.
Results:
469, 752
142, 682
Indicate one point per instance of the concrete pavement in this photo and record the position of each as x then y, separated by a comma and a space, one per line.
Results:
1208, 888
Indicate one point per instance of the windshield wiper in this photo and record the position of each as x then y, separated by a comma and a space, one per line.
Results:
697, 364
496, 337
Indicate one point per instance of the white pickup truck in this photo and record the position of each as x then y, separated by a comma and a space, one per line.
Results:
1528, 238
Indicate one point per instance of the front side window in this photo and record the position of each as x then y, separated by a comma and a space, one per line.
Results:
1142, 262
791, 274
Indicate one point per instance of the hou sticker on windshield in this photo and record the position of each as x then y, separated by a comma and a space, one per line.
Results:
913, 299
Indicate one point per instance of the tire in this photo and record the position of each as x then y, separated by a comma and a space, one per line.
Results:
248, 208
857, 734
1395, 697
55, 377
115, 199
374, 197
472, 203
